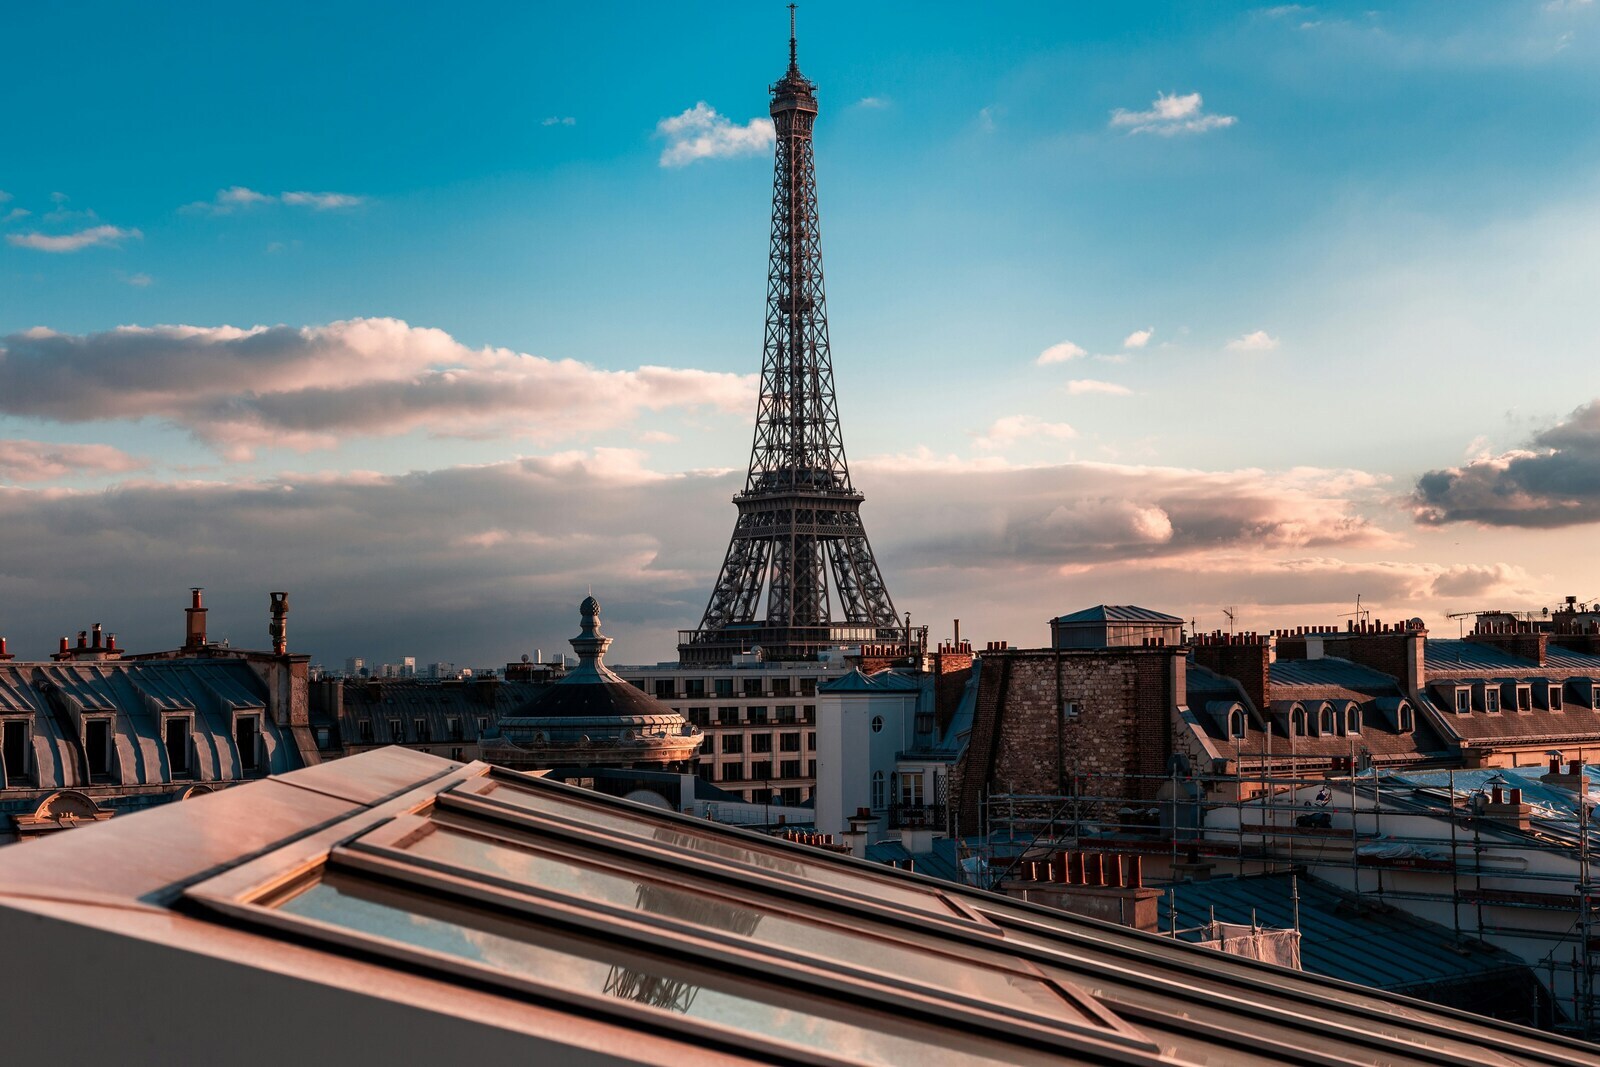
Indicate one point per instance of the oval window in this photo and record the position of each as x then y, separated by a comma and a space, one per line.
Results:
877, 724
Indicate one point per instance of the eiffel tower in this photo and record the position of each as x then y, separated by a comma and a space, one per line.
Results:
799, 516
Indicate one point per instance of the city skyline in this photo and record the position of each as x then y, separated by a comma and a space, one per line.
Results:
437, 327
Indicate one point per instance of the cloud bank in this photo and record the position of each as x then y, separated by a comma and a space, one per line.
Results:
307, 387
1554, 481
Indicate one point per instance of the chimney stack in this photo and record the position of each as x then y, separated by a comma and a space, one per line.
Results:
279, 629
4, 655
95, 629
195, 622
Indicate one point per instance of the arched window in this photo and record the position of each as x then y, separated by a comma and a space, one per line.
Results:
877, 790
1407, 723
1325, 721
1352, 719
1297, 722
1236, 723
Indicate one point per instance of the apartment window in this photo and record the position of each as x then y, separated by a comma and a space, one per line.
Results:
1555, 698
877, 790
1491, 700
760, 742
761, 770
789, 768
756, 713
911, 789
752, 687
727, 716
793, 797
808, 687
811, 768
457, 754
364, 731
732, 743
709, 745
700, 716
811, 740
324, 736
1463, 701
637, 683
664, 689
924, 722
761, 796
453, 724
397, 730
483, 724
780, 687
15, 745
732, 772
97, 747
786, 713
247, 738
424, 729
723, 688
877, 724
694, 687
789, 742
809, 713
176, 734
705, 771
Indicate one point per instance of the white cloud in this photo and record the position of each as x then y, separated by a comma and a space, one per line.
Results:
1259, 341
1089, 386
986, 116
1059, 353
139, 280
702, 133
94, 236
1138, 338
16, 213
559, 120
1170, 114
1011, 429
1558, 6
323, 201
873, 102
4, 196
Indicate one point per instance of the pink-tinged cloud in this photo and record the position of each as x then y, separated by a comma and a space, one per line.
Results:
39, 461
308, 387
1094, 387
93, 237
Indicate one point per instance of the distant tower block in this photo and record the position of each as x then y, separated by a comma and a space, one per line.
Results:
799, 517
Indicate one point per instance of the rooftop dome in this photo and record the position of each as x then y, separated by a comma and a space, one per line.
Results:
591, 689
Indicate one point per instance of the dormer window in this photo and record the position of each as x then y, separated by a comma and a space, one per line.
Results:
1352, 719
1463, 701
1236, 724
1555, 698
1406, 718
1491, 699
1524, 698
1325, 721
1297, 722
175, 733
97, 748
247, 736
16, 750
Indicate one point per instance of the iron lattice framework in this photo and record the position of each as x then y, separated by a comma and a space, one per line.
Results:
799, 516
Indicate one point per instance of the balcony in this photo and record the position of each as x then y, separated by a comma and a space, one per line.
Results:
917, 817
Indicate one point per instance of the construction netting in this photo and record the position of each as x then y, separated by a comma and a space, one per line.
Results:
1262, 943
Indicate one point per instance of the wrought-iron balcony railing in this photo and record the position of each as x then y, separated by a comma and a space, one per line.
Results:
916, 816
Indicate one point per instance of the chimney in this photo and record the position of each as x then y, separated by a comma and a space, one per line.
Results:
1246, 658
1573, 778
4, 655
279, 630
861, 823
95, 629
194, 622
83, 639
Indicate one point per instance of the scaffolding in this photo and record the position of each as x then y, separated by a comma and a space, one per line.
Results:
1487, 870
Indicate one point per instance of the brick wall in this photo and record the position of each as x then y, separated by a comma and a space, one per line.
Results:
1526, 645
1246, 658
1123, 727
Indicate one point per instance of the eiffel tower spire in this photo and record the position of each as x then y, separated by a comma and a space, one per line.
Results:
799, 534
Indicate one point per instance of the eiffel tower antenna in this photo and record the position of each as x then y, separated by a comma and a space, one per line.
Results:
799, 519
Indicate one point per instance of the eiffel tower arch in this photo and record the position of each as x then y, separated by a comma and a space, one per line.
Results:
799, 538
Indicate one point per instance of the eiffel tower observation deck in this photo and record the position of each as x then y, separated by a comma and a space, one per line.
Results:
799, 536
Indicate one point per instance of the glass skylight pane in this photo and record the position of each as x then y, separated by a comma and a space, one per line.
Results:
525, 950
756, 922
772, 862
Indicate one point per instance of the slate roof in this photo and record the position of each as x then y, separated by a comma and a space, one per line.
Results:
1342, 935
1337, 676
878, 682
434, 703
1450, 655
1119, 613
943, 862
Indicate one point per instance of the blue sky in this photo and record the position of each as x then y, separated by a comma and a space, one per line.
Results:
1358, 243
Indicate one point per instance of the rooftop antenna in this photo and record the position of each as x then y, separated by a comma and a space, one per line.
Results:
1228, 611
793, 62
